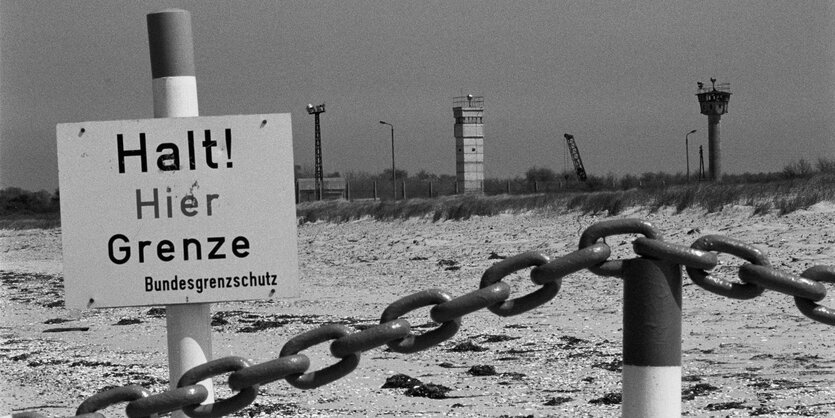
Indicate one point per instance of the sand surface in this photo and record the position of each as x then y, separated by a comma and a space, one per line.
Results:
758, 357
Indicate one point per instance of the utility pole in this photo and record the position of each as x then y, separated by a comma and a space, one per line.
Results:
319, 177
393, 172
687, 152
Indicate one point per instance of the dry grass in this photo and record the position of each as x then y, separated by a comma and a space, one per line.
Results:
781, 196
776, 196
39, 221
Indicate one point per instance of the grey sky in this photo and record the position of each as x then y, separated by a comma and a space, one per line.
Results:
619, 76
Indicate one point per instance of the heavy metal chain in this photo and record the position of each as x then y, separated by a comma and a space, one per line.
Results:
395, 332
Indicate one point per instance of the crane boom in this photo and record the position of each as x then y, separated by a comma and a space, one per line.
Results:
575, 156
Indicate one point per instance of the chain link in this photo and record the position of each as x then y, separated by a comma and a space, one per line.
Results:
782, 282
210, 369
111, 397
369, 338
674, 253
166, 402
414, 343
601, 230
808, 307
28, 414
312, 380
471, 302
516, 306
268, 372
570, 263
723, 244
492, 294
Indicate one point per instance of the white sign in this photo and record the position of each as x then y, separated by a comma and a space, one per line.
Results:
177, 210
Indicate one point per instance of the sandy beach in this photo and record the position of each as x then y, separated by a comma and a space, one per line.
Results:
757, 357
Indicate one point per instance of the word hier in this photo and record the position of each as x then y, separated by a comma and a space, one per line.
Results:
188, 204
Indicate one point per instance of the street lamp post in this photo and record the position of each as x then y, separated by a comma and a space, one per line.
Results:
687, 152
393, 175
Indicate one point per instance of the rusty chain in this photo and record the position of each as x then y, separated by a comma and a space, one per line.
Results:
755, 277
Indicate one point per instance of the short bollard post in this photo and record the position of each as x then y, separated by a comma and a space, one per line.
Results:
651, 338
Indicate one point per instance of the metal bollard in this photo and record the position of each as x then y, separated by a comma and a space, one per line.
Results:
651, 338
651, 322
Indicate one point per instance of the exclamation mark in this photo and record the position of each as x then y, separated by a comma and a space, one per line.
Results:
229, 147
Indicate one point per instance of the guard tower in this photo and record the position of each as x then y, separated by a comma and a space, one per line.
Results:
469, 143
713, 102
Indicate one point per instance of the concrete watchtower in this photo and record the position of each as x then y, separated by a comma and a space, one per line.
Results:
713, 102
469, 143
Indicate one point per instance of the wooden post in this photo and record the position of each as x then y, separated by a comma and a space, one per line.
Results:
404, 189
175, 95
375, 190
430, 189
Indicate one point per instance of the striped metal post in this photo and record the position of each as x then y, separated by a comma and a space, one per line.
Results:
188, 326
651, 338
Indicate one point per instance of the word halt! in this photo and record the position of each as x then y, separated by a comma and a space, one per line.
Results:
169, 153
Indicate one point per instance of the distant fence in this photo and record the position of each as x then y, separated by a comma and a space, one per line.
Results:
332, 188
365, 189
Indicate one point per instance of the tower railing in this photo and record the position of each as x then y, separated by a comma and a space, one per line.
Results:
468, 101
723, 87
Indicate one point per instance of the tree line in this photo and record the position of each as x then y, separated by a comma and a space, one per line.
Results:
16, 201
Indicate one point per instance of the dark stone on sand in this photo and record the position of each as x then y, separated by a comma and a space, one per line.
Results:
482, 370
401, 381
428, 390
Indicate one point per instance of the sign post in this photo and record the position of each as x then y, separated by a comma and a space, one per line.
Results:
179, 210
188, 327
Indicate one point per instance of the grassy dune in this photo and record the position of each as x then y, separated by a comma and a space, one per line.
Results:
30, 221
774, 196
779, 197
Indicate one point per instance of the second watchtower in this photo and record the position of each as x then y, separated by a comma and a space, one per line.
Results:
713, 102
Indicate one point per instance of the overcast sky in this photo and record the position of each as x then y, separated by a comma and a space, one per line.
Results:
620, 76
